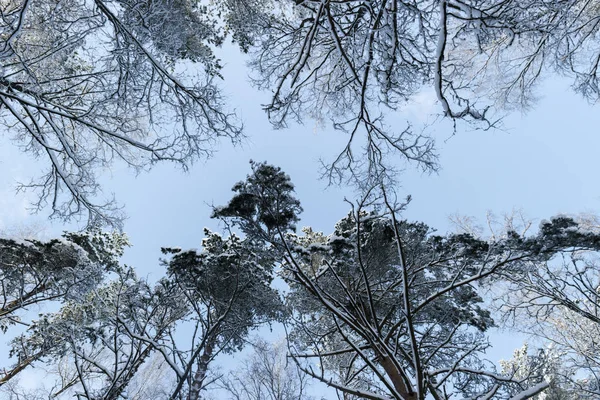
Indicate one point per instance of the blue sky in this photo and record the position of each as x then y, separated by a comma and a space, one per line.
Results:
544, 162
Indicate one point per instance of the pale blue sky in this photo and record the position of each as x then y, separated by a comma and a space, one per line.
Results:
545, 163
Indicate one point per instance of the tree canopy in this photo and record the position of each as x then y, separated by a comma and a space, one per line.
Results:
88, 84
381, 308
377, 307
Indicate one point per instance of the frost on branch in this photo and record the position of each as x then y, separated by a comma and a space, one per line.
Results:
349, 63
557, 300
383, 308
35, 273
86, 84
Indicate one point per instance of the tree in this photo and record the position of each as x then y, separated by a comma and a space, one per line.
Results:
351, 62
112, 325
227, 289
546, 363
86, 84
392, 311
386, 308
206, 305
558, 301
381, 308
35, 272
267, 374
264, 205
105, 337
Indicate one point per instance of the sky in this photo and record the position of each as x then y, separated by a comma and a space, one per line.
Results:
543, 162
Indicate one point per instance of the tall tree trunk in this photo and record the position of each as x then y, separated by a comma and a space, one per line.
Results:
200, 375
392, 372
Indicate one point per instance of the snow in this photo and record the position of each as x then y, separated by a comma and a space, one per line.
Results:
526, 394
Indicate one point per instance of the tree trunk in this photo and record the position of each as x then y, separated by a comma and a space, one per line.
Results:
392, 372
200, 375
